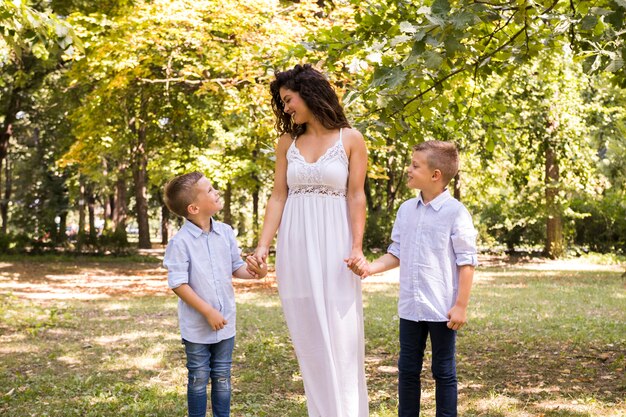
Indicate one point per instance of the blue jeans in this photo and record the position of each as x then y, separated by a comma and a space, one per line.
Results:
206, 361
413, 335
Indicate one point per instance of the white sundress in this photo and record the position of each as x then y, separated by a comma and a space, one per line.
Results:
321, 297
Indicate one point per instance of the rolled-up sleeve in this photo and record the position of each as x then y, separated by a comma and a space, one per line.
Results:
235, 255
176, 260
464, 239
394, 247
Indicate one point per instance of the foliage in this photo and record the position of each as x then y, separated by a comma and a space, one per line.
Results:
603, 228
424, 71
157, 88
194, 79
27, 31
538, 106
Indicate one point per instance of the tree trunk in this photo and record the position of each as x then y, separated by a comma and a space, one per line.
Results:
554, 226
6, 131
81, 208
4, 204
62, 237
255, 197
391, 178
91, 208
111, 206
228, 199
140, 174
108, 212
120, 206
457, 186
255, 210
165, 220
369, 199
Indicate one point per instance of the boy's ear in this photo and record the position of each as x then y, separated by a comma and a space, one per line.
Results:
192, 209
437, 175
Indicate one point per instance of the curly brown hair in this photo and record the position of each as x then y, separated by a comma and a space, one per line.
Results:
317, 94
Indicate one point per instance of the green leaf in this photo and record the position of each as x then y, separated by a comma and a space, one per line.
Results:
440, 7
616, 63
463, 19
432, 59
452, 46
39, 51
588, 22
600, 11
396, 77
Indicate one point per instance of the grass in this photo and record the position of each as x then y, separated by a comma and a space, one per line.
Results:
545, 342
68, 257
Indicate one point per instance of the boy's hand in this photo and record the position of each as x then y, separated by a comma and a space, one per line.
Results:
255, 268
359, 266
457, 317
215, 319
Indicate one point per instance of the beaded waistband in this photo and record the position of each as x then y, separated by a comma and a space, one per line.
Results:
316, 189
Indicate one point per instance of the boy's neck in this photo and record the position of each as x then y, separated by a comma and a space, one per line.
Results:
203, 223
430, 195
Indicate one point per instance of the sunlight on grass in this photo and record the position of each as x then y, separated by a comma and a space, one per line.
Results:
6, 348
497, 403
69, 360
573, 406
538, 342
133, 336
116, 307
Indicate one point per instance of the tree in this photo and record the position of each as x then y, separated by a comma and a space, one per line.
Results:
33, 43
419, 66
193, 85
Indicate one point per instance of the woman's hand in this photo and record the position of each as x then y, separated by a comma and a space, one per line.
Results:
357, 263
257, 261
260, 254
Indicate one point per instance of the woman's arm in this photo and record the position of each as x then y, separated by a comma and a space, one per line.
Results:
276, 202
357, 169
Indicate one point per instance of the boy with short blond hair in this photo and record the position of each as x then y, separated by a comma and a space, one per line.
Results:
434, 243
201, 260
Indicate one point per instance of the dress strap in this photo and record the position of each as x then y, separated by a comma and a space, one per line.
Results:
341, 135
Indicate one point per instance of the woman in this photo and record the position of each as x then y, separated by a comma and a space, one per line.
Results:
319, 202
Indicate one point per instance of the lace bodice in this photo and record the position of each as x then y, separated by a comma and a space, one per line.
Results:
328, 176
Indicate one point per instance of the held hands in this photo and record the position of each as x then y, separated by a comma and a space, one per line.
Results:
257, 262
457, 317
215, 319
358, 264
255, 268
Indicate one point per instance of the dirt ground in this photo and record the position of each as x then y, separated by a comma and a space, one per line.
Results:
47, 280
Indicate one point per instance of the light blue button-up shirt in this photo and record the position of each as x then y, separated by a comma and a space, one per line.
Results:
431, 240
205, 261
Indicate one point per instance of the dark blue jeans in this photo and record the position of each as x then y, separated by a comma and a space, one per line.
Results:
413, 337
206, 361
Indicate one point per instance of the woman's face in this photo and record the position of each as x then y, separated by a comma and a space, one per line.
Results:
295, 106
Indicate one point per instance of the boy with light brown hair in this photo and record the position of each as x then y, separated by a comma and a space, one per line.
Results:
201, 260
434, 243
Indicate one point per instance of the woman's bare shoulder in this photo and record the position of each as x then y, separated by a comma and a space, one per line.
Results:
353, 136
353, 139
284, 141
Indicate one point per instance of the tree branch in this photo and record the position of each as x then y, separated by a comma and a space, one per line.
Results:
480, 59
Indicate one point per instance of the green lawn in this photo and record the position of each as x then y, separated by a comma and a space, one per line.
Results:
539, 343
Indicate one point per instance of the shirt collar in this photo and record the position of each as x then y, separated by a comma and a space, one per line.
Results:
196, 231
437, 202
